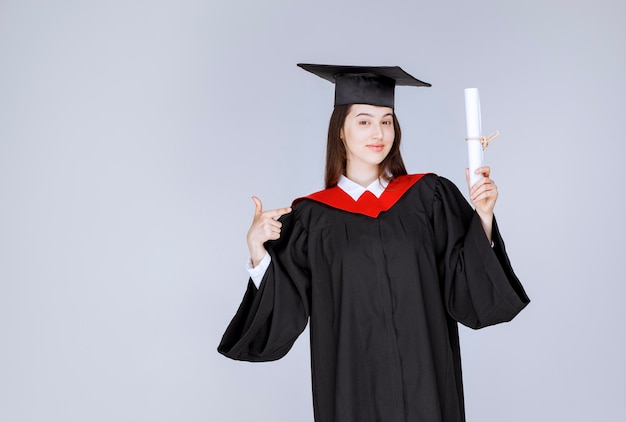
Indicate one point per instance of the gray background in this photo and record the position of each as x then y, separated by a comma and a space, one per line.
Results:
133, 133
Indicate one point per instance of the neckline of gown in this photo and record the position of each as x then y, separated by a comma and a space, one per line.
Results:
367, 204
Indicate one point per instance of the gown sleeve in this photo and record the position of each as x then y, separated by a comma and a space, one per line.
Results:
270, 318
479, 285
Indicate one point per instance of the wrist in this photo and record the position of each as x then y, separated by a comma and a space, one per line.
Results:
486, 218
256, 255
486, 221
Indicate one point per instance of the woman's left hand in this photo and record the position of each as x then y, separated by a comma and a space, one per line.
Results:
484, 193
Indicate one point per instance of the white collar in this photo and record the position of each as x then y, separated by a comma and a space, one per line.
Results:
377, 187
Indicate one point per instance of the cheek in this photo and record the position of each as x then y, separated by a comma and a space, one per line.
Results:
347, 134
391, 134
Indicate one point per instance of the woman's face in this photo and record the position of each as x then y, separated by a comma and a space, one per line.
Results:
368, 134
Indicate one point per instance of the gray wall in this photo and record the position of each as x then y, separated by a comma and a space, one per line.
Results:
133, 133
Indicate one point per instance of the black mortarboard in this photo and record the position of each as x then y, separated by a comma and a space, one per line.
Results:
364, 84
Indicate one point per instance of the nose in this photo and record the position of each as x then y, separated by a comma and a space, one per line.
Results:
377, 131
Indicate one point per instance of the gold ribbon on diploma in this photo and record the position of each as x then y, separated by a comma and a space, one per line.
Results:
484, 140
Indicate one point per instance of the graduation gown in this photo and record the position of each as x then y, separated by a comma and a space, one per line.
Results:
384, 282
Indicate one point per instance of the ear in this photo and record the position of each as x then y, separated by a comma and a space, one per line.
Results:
341, 135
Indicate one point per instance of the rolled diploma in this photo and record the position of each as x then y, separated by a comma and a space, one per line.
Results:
474, 130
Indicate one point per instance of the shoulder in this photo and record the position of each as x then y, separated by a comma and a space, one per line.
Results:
310, 203
318, 205
418, 181
422, 178
435, 181
444, 184
411, 179
335, 193
433, 187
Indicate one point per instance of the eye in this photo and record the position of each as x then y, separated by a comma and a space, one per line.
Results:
363, 122
387, 122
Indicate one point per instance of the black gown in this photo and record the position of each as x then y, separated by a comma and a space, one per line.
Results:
384, 283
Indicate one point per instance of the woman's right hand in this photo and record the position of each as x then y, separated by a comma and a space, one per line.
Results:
264, 227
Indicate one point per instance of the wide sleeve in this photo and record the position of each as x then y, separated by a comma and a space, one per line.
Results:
270, 318
479, 285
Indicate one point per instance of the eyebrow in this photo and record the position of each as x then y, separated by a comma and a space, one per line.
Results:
371, 115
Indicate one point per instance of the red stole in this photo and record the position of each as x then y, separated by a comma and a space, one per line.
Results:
367, 204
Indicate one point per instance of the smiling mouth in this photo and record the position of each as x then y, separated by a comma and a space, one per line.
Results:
377, 147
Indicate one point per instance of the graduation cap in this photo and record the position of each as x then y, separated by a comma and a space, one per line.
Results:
372, 85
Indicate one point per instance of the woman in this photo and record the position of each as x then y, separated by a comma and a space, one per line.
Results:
383, 263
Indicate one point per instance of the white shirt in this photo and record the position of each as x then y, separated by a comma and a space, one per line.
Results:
377, 187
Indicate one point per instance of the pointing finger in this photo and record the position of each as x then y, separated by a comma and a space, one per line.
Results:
278, 212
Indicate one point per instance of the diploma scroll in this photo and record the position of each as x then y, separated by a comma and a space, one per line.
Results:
474, 133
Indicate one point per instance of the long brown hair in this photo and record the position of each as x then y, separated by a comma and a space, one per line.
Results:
390, 168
